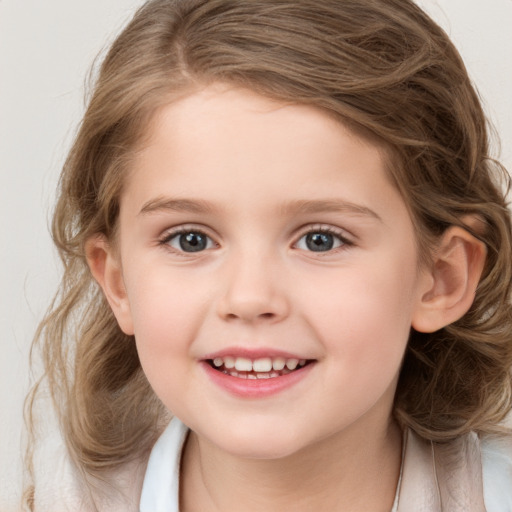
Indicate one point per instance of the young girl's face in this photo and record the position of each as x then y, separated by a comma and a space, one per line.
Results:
255, 234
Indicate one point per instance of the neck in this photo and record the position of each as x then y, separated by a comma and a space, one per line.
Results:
354, 470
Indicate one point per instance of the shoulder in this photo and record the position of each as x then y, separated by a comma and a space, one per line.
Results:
466, 474
497, 473
58, 484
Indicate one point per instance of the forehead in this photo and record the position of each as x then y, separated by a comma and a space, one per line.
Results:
230, 145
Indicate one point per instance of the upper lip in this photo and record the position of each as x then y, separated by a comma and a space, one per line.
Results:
253, 353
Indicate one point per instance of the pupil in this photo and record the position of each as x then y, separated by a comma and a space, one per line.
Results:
319, 242
192, 242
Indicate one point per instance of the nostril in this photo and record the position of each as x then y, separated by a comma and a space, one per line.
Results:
264, 316
250, 308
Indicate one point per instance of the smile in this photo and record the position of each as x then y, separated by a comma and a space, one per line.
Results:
261, 368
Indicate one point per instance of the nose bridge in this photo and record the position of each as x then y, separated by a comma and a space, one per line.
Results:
254, 287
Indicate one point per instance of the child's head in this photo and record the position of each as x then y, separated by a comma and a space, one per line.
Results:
388, 75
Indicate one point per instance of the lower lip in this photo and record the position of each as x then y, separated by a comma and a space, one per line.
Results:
256, 388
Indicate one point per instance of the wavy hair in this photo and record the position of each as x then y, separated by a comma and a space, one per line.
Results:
381, 66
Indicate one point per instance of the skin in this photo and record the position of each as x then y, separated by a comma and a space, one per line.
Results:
255, 177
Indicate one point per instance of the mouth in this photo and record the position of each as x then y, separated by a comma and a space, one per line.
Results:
261, 368
256, 374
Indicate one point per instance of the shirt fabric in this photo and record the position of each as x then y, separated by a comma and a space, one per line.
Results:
465, 476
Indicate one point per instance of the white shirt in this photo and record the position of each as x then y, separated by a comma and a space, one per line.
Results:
160, 492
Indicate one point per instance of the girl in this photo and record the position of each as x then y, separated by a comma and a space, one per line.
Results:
280, 224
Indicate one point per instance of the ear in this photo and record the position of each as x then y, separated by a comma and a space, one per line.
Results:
451, 280
105, 267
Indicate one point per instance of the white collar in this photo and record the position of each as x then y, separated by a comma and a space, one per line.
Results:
160, 490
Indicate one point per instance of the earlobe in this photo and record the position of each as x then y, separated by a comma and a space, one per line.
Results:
451, 280
106, 269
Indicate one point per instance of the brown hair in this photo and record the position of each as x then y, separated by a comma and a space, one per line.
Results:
381, 66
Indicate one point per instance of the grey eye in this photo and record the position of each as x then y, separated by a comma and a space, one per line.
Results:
190, 241
319, 242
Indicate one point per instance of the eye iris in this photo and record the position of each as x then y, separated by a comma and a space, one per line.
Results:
319, 242
192, 242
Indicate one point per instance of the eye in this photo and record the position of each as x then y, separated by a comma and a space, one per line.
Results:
189, 241
321, 241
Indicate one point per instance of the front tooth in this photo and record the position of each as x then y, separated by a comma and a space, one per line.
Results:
229, 362
262, 365
218, 361
242, 364
278, 363
291, 364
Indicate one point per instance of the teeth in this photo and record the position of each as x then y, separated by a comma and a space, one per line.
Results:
229, 362
243, 365
264, 367
278, 363
291, 364
233, 374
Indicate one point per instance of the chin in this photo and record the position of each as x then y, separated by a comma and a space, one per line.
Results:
259, 444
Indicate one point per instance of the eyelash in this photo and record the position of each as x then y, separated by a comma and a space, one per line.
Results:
184, 230
345, 243
340, 235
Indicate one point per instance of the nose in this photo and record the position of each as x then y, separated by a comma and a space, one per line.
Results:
255, 292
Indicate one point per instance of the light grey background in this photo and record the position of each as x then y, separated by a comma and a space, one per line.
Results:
46, 49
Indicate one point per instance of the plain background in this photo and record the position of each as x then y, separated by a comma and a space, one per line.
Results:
46, 50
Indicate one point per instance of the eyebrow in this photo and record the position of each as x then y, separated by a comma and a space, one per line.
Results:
311, 206
176, 205
328, 205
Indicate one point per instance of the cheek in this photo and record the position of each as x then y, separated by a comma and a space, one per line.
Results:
166, 314
364, 331
364, 313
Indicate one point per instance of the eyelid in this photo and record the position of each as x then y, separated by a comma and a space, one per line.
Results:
187, 227
342, 233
